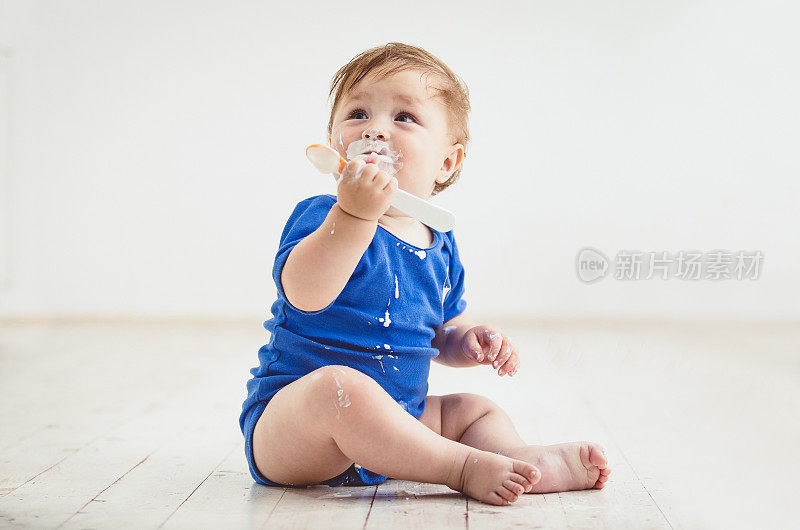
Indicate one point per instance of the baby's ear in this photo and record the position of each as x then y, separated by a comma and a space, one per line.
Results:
452, 162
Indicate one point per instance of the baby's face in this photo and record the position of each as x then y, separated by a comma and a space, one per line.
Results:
398, 118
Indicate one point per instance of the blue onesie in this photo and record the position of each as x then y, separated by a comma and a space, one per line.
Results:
382, 324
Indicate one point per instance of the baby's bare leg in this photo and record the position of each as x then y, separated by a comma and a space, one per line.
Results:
315, 427
477, 421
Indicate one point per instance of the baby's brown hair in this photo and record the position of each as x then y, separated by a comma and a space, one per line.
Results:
383, 61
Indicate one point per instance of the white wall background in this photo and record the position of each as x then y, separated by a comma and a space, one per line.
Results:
5, 163
157, 148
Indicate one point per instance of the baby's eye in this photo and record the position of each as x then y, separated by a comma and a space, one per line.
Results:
407, 115
355, 113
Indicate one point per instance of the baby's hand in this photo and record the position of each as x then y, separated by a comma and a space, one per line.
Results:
365, 191
489, 345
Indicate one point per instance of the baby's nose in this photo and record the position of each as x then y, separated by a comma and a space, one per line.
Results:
374, 134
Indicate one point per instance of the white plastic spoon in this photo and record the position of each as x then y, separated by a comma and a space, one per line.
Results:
327, 160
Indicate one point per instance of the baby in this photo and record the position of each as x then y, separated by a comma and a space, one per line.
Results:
368, 295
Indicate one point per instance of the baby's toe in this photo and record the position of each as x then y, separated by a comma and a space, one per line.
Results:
528, 471
507, 494
597, 456
514, 487
606, 471
601, 482
522, 481
496, 499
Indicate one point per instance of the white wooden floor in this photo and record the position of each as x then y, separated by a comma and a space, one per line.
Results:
135, 425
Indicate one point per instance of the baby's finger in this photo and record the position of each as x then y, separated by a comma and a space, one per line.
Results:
506, 350
494, 340
393, 184
510, 367
353, 169
472, 346
381, 179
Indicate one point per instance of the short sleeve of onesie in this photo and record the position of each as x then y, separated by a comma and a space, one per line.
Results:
307, 216
454, 303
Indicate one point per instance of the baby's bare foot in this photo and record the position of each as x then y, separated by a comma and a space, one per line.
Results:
493, 478
565, 467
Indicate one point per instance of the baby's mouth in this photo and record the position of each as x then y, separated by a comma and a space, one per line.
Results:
387, 160
383, 155
378, 157
366, 154
364, 148
381, 151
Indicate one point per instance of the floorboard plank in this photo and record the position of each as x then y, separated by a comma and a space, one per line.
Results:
151, 491
403, 504
344, 507
227, 498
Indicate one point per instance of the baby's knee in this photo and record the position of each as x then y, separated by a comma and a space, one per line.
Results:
469, 404
341, 383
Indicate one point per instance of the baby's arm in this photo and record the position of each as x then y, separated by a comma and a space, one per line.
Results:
448, 341
318, 267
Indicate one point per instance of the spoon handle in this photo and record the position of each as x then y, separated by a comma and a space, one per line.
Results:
426, 212
432, 215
